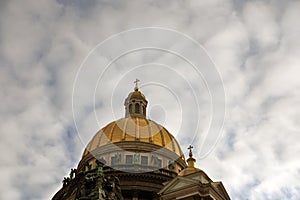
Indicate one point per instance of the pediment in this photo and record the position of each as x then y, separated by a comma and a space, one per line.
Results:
220, 189
178, 183
200, 178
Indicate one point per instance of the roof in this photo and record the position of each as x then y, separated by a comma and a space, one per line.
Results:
134, 129
196, 184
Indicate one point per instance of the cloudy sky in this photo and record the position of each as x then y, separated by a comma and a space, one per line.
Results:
57, 88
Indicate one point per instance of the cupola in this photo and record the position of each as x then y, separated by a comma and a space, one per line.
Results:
191, 164
136, 103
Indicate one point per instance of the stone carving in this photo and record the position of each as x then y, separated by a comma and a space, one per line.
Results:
66, 181
72, 173
99, 187
171, 165
136, 158
155, 160
118, 157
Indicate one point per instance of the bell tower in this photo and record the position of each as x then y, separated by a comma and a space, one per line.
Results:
136, 103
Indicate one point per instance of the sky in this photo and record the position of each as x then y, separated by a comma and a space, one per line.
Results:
222, 75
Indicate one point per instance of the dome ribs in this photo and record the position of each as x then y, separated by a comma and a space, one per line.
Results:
112, 131
137, 129
93, 144
101, 135
150, 131
172, 142
178, 150
134, 129
161, 134
124, 129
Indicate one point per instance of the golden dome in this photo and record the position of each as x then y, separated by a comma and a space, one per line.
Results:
188, 170
191, 165
134, 135
135, 129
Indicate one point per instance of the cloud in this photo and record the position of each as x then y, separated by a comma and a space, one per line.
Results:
255, 47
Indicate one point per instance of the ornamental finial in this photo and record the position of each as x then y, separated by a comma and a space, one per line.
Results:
136, 88
191, 153
191, 161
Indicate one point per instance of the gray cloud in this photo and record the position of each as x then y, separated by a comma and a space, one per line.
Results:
254, 44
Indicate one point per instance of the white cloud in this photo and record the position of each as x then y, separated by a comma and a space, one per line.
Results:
254, 44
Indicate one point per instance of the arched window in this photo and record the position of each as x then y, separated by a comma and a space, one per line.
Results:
137, 108
144, 110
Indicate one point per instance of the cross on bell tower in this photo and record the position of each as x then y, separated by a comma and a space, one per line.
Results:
191, 161
136, 88
190, 153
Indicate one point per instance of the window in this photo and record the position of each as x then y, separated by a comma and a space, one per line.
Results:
159, 163
171, 165
137, 108
144, 110
144, 160
130, 108
156, 161
129, 159
114, 160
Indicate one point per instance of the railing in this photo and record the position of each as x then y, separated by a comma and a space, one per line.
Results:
138, 168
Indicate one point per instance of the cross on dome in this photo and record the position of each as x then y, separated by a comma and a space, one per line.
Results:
191, 161
191, 153
136, 88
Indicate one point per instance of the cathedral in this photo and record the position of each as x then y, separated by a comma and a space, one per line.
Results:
135, 158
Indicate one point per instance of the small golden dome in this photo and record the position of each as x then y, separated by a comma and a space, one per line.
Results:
136, 95
136, 103
188, 170
134, 129
191, 165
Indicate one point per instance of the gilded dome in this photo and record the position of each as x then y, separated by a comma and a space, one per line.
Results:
136, 95
134, 129
190, 169
133, 138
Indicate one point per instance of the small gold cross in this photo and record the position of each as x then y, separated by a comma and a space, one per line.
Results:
191, 153
136, 84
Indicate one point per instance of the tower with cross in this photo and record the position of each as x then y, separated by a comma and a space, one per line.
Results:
136, 88
190, 153
191, 161
136, 103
